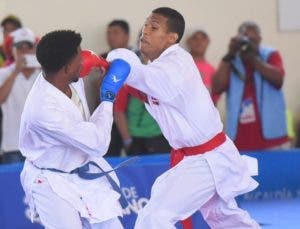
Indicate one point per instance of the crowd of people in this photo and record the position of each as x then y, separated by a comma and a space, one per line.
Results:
159, 98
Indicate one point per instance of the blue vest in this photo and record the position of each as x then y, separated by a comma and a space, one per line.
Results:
270, 101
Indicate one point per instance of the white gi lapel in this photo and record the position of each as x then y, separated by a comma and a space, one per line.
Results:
79, 87
61, 98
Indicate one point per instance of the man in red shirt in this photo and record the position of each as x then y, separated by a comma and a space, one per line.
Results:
252, 75
197, 45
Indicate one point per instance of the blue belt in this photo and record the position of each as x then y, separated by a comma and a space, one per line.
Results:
83, 172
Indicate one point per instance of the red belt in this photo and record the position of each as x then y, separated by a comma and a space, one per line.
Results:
178, 154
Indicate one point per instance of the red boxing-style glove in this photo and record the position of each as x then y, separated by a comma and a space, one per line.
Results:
91, 60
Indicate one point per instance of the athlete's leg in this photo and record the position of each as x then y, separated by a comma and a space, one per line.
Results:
224, 215
177, 194
54, 212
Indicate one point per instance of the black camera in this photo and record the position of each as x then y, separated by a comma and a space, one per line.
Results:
244, 44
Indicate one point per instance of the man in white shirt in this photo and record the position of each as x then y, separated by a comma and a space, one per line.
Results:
64, 145
207, 171
16, 81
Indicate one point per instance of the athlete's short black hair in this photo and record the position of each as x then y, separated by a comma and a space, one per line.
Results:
121, 23
176, 21
57, 48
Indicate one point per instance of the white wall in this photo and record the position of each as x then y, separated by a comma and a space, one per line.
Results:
219, 17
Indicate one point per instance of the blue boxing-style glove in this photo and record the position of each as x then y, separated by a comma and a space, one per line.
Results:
114, 79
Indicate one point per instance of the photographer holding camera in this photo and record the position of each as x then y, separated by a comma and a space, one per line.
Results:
252, 76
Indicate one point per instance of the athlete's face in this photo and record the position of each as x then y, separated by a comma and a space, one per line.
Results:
156, 36
74, 66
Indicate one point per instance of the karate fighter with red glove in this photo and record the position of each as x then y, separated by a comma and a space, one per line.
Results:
63, 143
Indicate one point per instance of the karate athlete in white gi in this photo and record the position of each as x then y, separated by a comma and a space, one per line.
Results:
60, 140
209, 172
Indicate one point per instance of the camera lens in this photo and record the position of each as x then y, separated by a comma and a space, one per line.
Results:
244, 44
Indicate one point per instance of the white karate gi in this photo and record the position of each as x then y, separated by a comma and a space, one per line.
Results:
55, 134
182, 107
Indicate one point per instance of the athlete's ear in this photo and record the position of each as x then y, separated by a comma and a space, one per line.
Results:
173, 37
66, 68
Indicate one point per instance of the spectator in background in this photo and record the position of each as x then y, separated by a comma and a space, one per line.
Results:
16, 81
252, 75
8, 25
117, 36
197, 45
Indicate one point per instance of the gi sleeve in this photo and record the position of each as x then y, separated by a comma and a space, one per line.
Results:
159, 79
91, 137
